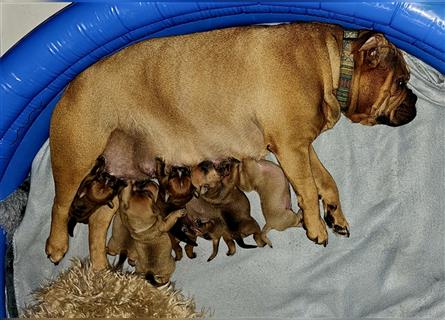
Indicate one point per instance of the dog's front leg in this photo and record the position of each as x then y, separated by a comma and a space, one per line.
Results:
97, 228
327, 189
295, 162
170, 220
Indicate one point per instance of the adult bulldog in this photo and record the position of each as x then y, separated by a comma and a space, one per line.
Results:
236, 92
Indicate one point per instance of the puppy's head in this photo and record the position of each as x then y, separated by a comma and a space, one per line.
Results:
380, 94
204, 227
208, 176
175, 180
104, 188
145, 189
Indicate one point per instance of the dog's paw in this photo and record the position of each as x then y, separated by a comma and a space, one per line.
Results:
56, 250
191, 255
336, 220
317, 232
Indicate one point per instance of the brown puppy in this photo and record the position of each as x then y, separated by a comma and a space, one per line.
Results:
97, 189
262, 176
148, 230
239, 92
175, 190
220, 209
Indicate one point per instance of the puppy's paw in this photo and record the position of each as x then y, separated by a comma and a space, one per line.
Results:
336, 220
267, 240
56, 250
191, 255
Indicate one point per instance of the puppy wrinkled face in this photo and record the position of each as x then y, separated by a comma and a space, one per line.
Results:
205, 177
208, 176
146, 188
179, 181
383, 95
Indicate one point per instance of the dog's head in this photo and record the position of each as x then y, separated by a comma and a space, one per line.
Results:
175, 180
209, 176
204, 227
379, 93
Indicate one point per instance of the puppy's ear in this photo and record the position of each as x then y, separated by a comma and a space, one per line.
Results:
206, 166
224, 167
154, 190
98, 166
160, 167
375, 49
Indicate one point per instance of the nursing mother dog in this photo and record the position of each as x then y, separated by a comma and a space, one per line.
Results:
236, 92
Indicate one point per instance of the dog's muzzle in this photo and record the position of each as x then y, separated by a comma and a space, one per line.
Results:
403, 114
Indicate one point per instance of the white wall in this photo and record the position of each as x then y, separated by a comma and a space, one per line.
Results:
19, 18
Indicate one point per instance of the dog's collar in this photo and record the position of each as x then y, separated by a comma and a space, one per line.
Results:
346, 69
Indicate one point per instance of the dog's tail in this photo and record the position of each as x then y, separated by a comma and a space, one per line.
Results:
241, 243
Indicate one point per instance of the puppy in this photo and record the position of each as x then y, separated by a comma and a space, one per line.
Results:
224, 208
148, 230
175, 190
269, 181
97, 189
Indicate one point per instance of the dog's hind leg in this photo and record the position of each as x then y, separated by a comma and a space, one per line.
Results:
230, 246
215, 245
327, 189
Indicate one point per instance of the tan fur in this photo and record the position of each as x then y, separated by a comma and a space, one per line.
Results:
269, 181
234, 92
81, 292
148, 230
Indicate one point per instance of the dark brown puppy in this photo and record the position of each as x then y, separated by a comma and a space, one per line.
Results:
97, 189
220, 209
175, 190
238, 92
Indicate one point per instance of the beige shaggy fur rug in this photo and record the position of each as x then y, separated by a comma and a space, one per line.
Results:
81, 293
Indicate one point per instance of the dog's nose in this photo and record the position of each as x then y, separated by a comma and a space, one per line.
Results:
406, 112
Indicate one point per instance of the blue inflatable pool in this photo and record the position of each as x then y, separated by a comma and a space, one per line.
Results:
37, 69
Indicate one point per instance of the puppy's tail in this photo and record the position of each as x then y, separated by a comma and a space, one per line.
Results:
242, 244
71, 225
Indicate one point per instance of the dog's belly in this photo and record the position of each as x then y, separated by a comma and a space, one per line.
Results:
184, 139
132, 155
215, 143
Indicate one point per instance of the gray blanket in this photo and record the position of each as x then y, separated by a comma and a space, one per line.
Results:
391, 182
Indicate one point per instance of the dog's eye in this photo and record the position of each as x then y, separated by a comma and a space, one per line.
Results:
401, 82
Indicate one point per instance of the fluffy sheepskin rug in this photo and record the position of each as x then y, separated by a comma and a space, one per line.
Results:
81, 293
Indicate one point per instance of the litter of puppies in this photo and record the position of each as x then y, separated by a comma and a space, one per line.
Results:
180, 203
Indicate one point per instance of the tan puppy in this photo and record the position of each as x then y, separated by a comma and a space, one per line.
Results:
220, 209
97, 189
269, 181
149, 231
238, 92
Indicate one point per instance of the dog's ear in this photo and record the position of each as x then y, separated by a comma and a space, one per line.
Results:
154, 190
224, 167
205, 166
160, 167
375, 50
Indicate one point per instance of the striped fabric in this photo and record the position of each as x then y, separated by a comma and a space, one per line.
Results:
346, 69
